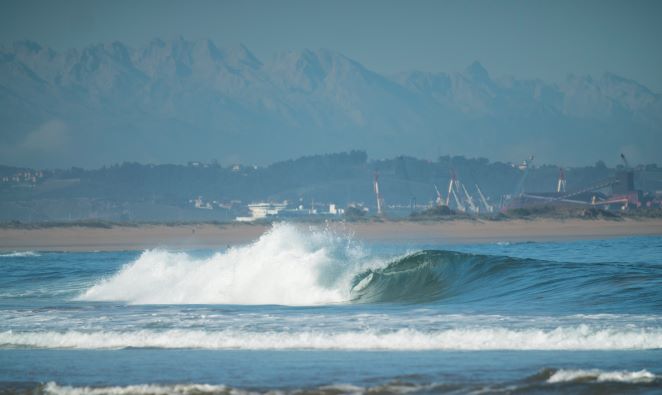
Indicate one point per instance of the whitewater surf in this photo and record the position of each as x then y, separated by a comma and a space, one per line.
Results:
296, 266
308, 309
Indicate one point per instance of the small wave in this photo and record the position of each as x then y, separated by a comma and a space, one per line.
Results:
581, 337
395, 387
20, 254
514, 243
599, 376
142, 389
390, 387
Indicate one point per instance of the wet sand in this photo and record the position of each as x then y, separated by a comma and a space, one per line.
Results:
213, 236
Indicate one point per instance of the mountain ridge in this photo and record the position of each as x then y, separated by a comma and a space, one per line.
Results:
177, 100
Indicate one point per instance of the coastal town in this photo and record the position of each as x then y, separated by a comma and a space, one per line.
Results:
342, 186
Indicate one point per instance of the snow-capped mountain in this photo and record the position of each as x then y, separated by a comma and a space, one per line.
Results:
177, 100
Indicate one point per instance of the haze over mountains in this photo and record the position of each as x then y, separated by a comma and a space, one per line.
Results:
175, 101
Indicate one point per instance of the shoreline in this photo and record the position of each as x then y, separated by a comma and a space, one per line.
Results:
191, 236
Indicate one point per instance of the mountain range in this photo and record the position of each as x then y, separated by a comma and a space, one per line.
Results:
180, 100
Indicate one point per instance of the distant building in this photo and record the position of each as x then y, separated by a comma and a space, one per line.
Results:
262, 210
199, 203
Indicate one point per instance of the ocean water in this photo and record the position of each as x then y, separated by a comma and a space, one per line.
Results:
307, 310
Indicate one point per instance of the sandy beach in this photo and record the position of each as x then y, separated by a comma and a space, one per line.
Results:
212, 236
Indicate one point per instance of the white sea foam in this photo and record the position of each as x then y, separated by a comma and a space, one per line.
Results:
287, 266
152, 389
496, 338
596, 375
196, 389
19, 254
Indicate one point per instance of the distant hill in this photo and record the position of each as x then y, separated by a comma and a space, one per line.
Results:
175, 101
144, 192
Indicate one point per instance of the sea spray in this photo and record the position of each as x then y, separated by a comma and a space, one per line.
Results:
298, 266
288, 265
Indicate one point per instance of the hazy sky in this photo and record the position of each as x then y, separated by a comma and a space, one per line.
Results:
543, 39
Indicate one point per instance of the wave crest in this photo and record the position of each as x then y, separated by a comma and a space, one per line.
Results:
600, 376
580, 337
292, 265
140, 389
285, 266
20, 254
429, 275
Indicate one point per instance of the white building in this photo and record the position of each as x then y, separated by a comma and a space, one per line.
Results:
262, 210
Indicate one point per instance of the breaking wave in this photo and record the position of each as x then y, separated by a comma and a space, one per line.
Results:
290, 265
580, 381
430, 275
287, 266
581, 337
601, 376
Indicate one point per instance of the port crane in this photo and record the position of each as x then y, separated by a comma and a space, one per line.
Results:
460, 206
470, 201
380, 201
488, 207
453, 190
560, 186
440, 199
450, 188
